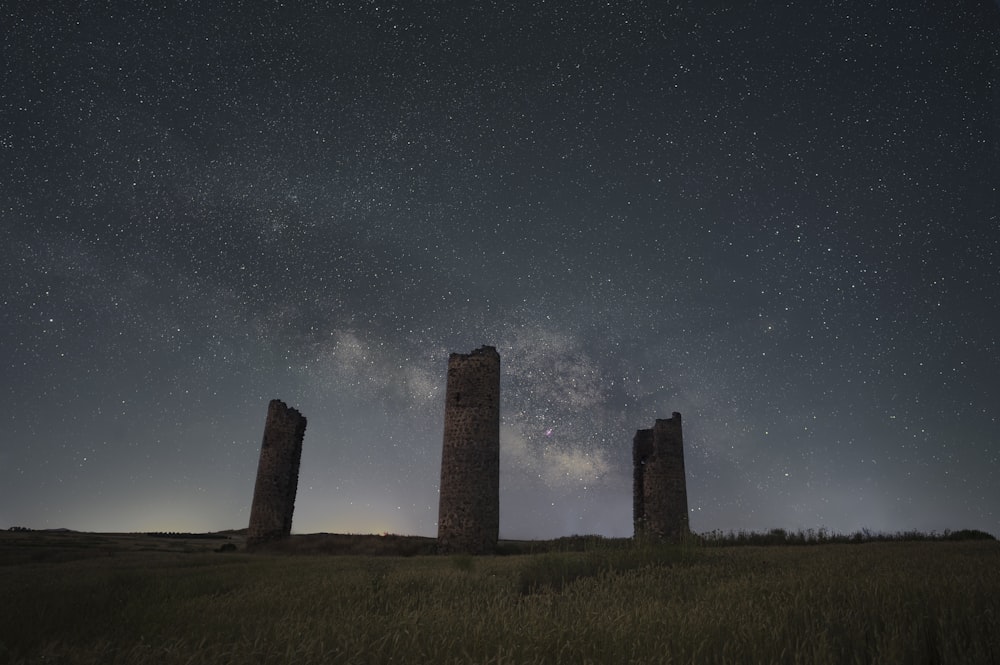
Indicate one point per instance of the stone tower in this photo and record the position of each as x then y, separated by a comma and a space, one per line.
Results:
659, 488
277, 475
469, 510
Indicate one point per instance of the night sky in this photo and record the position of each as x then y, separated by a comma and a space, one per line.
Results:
781, 220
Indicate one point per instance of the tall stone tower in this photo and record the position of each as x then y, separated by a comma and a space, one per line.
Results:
469, 510
659, 488
277, 475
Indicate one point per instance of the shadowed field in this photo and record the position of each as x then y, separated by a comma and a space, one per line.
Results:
101, 598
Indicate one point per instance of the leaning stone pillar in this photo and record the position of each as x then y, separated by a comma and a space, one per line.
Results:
277, 475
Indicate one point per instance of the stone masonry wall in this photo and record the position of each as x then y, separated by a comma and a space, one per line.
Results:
660, 507
469, 510
642, 449
277, 475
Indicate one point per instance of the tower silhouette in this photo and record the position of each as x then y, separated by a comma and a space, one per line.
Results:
277, 475
469, 509
659, 487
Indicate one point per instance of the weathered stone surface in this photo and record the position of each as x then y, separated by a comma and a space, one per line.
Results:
642, 449
277, 475
469, 509
659, 497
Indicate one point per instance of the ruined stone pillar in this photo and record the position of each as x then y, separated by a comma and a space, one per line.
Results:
659, 499
277, 475
469, 509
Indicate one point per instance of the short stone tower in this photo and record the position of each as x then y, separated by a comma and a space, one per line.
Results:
659, 488
277, 475
469, 510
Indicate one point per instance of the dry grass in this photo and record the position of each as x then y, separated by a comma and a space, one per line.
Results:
930, 602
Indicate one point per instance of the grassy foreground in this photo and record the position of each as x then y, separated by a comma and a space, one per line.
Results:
94, 599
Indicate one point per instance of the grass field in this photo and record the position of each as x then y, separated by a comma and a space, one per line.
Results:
92, 598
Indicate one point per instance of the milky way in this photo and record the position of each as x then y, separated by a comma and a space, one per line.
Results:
781, 221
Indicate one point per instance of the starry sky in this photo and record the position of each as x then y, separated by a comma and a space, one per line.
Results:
780, 219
